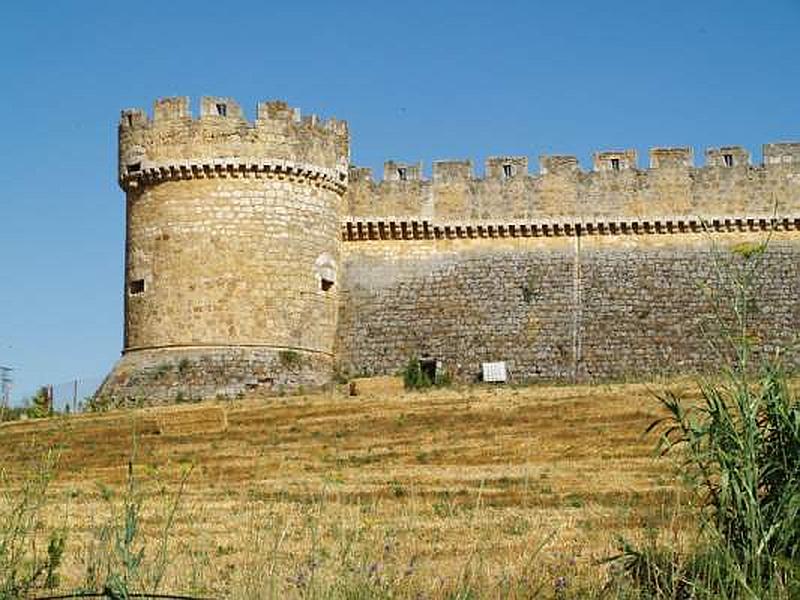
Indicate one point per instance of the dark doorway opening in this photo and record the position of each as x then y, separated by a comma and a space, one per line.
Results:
429, 368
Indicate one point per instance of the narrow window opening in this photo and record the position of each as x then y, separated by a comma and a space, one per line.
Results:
615, 164
325, 284
137, 286
130, 120
222, 110
728, 159
134, 167
507, 171
402, 174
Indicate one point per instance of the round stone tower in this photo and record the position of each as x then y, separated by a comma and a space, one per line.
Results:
232, 250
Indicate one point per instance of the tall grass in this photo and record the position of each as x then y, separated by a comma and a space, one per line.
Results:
740, 447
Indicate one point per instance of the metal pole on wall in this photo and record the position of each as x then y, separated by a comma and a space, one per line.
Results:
75, 396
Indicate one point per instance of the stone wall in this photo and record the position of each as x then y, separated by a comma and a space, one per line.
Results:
562, 308
616, 188
167, 375
231, 261
232, 248
173, 138
257, 257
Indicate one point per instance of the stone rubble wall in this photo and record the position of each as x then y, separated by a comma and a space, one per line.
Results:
169, 375
586, 308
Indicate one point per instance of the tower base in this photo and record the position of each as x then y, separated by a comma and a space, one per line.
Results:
169, 375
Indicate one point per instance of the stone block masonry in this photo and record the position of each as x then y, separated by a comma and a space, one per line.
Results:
258, 258
232, 251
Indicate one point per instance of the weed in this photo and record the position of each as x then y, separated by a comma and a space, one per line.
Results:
163, 369
289, 358
23, 566
123, 559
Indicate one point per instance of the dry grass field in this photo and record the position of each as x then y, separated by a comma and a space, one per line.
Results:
458, 492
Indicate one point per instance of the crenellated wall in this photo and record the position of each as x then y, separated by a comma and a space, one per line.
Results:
232, 249
615, 188
257, 257
566, 274
175, 144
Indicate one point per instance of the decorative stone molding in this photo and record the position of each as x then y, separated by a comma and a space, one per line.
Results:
359, 230
153, 173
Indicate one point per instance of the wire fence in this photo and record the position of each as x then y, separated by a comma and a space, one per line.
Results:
113, 596
68, 396
71, 396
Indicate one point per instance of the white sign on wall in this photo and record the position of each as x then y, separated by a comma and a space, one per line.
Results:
494, 372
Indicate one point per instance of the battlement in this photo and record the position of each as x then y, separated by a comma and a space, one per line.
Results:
727, 157
558, 164
782, 153
614, 187
280, 139
671, 158
400, 171
506, 167
606, 161
450, 171
614, 160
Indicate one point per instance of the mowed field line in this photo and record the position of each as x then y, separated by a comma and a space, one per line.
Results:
570, 462
586, 439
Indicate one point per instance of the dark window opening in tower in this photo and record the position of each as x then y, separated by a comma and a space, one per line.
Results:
130, 120
325, 284
507, 171
222, 110
136, 287
728, 159
615, 164
134, 167
402, 174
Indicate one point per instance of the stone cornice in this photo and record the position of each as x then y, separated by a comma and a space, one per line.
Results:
388, 228
151, 173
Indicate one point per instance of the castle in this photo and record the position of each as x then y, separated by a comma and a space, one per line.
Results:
257, 257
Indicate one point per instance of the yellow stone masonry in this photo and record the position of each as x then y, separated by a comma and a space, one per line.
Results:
258, 257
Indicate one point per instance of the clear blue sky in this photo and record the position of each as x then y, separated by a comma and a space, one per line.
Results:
416, 81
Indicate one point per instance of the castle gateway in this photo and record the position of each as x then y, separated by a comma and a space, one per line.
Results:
257, 257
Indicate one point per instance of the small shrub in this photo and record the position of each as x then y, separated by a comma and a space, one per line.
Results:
414, 378
289, 358
40, 405
163, 369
